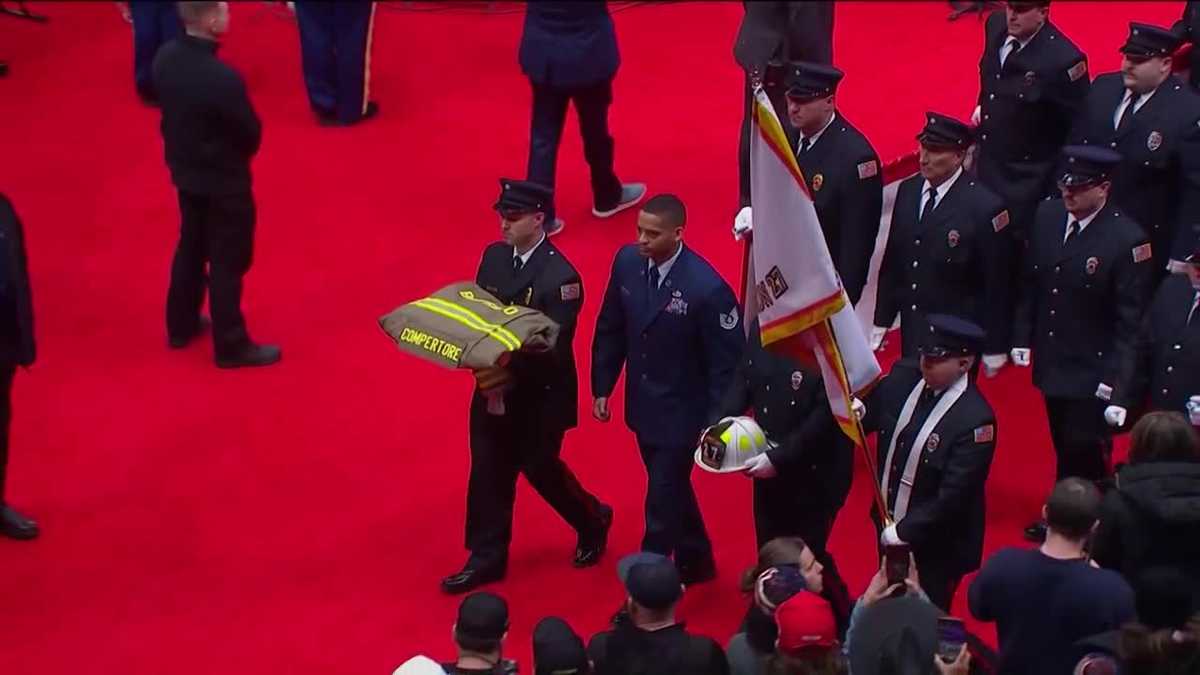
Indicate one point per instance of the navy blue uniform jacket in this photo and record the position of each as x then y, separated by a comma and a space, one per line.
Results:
680, 347
568, 44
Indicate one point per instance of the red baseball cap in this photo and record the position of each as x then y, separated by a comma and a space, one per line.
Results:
805, 621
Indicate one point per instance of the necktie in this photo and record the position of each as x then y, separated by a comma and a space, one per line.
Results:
1014, 46
1072, 230
652, 277
517, 264
930, 203
805, 144
1127, 113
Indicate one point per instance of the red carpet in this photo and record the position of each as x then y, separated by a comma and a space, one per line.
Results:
297, 519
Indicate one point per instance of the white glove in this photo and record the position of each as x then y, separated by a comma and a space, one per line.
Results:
975, 116
760, 467
743, 224
877, 334
1193, 408
1020, 356
1115, 415
858, 408
889, 536
992, 363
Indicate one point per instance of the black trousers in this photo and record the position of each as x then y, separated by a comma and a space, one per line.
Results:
1082, 441
7, 371
549, 116
674, 524
939, 584
503, 447
786, 508
216, 231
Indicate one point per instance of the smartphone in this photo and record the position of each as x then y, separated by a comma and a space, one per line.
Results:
896, 563
952, 635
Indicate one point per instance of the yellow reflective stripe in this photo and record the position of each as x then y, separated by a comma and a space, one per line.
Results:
470, 320
483, 324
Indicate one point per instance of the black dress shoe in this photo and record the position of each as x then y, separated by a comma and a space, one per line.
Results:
591, 547
698, 572
16, 526
470, 578
181, 341
249, 356
330, 119
1036, 532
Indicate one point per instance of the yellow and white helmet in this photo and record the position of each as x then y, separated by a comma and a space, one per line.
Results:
725, 446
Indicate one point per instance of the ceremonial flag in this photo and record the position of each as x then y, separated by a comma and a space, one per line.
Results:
792, 287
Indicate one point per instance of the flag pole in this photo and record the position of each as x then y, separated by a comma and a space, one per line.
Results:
872, 465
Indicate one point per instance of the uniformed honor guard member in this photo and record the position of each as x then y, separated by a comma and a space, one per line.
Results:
1152, 119
540, 399
1032, 83
1165, 371
210, 135
17, 348
802, 483
776, 31
842, 170
1085, 283
947, 251
335, 51
672, 323
937, 435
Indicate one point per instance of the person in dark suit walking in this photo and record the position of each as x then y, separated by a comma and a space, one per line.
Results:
776, 31
154, 24
335, 45
1152, 119
672, 323
1164, 373
569, 53
210, 133
1085, 282
937, 436
17, 348
802, 482
947, 252
540, 398
1032, 83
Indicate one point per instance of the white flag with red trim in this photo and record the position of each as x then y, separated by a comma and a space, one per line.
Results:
792, 287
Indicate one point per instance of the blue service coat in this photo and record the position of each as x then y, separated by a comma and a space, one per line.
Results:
568, 44
679, 344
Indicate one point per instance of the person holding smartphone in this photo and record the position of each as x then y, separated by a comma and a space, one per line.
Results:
937, 435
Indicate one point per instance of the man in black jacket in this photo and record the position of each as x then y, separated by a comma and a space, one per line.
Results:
1032, 83
841, 168
1084, 285
210, 133
569, 53
937, 435
947, 251
1152, 118
776, 31
17, 347
540, 394
802, 482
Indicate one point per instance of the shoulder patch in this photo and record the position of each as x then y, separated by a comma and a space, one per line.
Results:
985, 433
1000, 221
570, 291
1142, 253
1077, 71
868, 169
730, 321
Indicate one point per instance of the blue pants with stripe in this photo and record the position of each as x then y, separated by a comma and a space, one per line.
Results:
334, 41
154, 24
